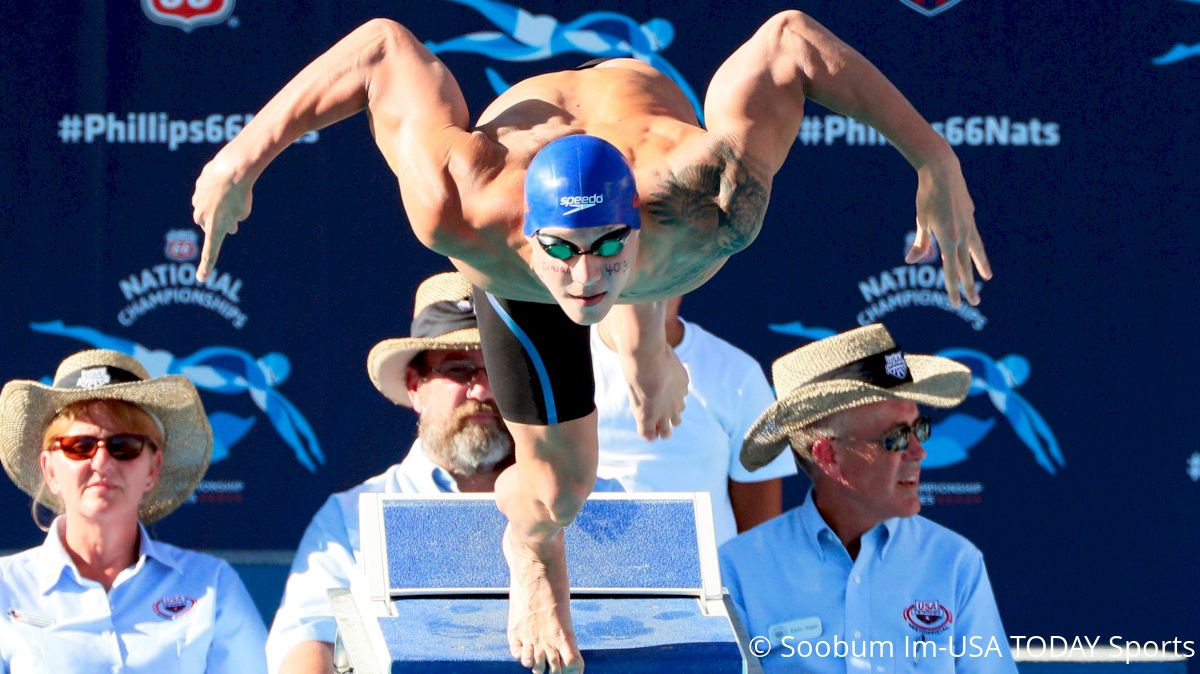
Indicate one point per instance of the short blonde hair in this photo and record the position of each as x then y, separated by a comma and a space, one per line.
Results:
127, 416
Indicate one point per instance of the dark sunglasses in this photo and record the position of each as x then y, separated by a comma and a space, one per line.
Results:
606, 246
122, 447
897, 440
459, 373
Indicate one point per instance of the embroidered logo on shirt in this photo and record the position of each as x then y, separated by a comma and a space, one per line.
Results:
928, 617
173, 607
30, 618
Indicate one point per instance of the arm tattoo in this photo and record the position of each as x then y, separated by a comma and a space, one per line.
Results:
745, 208
689, 197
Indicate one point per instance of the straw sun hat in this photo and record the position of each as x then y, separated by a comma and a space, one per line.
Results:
443, 319
26, 407
858, 367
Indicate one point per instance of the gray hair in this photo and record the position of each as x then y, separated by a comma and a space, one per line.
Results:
802, 439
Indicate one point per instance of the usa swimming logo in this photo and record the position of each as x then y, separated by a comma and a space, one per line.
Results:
928, 617
94, 377
895, 365
173, 607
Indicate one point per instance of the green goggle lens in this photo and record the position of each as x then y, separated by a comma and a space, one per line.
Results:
606, 246
609, 248
559, 251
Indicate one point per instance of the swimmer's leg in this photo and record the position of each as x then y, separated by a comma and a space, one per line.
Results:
540, 494
540, 371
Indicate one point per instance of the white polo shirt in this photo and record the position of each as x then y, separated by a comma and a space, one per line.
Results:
727, 390
174, 610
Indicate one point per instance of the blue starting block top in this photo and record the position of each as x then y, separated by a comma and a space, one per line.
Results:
645, 587
637, 634
616, 545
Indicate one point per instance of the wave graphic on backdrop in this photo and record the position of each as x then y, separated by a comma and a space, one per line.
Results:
224, 370
955, 436
536, 37
1180, 51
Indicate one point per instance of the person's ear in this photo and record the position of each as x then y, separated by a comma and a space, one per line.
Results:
825, 457
412, 382
155, 469
48, 472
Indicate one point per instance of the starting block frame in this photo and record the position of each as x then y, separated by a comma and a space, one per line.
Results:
608, 561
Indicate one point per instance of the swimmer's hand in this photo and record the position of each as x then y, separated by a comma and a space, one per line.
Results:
221, 200
658, 384
945, 212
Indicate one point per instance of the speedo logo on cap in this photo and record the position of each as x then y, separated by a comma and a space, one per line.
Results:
580, 203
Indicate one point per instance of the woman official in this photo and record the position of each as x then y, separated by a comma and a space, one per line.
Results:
109, 450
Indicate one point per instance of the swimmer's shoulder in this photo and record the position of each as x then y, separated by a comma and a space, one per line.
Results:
472, 200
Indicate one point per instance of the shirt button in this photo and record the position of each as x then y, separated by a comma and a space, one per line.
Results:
857, 634
858, 580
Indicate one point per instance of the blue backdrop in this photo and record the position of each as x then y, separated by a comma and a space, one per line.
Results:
1073, 465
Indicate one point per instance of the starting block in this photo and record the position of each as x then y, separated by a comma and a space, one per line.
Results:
646, 590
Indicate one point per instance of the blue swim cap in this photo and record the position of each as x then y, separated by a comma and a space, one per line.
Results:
579, 181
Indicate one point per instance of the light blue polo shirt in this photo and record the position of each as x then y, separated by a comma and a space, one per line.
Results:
174, 610
917, 598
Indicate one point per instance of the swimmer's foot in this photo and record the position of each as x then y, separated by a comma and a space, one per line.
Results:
539, 608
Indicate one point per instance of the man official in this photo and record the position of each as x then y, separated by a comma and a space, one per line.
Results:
461, 446
854, 580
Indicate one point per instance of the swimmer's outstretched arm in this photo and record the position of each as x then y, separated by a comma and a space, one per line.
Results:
418, 116
755, 103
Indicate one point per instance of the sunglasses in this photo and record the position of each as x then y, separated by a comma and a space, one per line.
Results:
606, 246
459, 373
897, 440
122, 447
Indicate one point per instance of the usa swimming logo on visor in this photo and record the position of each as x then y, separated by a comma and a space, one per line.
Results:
580, 181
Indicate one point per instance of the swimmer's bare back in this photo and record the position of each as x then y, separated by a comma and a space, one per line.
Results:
704, 193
